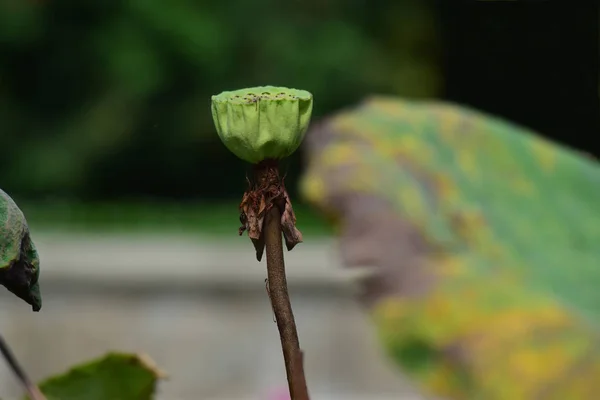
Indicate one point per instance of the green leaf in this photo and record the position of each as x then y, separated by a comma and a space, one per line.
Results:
116, 376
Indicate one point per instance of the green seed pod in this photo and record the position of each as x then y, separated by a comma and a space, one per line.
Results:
264, 122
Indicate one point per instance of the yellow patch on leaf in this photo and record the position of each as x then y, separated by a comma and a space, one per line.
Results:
468, 165
544, 153
313, 188
524, 186
341, 154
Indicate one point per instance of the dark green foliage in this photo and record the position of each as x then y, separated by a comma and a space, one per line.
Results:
105, 99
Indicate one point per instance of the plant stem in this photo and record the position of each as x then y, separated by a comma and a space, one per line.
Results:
280, 300
31, 388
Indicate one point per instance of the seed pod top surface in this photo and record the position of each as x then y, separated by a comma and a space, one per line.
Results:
265, 122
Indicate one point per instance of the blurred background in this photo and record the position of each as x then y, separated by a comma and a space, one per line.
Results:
110, 150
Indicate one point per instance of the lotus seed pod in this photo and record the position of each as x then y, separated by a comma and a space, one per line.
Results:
264, 122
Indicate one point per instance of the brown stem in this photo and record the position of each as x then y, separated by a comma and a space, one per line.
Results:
282, 307
31, 388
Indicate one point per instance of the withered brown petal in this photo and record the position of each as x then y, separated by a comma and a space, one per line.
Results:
259, 246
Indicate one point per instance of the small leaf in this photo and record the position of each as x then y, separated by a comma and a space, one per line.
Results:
116, 376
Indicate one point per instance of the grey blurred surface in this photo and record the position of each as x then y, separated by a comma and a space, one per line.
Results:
199, 309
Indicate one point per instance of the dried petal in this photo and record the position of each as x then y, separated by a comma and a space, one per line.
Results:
256, 203
288, 224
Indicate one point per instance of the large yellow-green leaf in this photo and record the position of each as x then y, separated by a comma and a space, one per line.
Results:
485, 238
